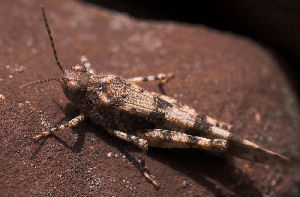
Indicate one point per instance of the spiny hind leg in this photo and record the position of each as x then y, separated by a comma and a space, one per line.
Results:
72, 123
85, 62
141, 143
161, 77
172, 139
233, 145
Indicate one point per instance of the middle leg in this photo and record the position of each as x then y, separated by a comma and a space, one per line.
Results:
141, 143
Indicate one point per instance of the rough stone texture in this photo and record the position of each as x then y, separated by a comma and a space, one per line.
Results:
223, 75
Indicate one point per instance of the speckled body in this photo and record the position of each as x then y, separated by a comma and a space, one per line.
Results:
145, 118
113, 102
118, 104
101, 101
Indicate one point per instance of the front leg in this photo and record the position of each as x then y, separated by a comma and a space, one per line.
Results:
161, 77
72, 123
85, 62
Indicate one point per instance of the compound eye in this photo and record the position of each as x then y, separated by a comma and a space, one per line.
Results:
79, 68
73, 85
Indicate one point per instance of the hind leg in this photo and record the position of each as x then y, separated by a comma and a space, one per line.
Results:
172, 139
161, 77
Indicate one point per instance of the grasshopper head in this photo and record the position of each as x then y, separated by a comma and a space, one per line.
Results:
74, 82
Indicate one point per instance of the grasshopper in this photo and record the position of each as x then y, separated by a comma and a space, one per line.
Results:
146, 118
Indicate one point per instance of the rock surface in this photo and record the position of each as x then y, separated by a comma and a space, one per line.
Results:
220, 74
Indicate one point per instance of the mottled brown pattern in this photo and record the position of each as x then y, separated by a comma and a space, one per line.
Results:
172, 139
112, 101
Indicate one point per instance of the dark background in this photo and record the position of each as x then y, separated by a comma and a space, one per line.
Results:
275, 24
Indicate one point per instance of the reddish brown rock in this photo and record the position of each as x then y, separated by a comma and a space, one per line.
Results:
223, 75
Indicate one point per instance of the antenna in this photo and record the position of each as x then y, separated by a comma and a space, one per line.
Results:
38, 82
50, 37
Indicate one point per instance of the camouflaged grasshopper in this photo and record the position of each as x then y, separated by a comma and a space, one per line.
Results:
145, 118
